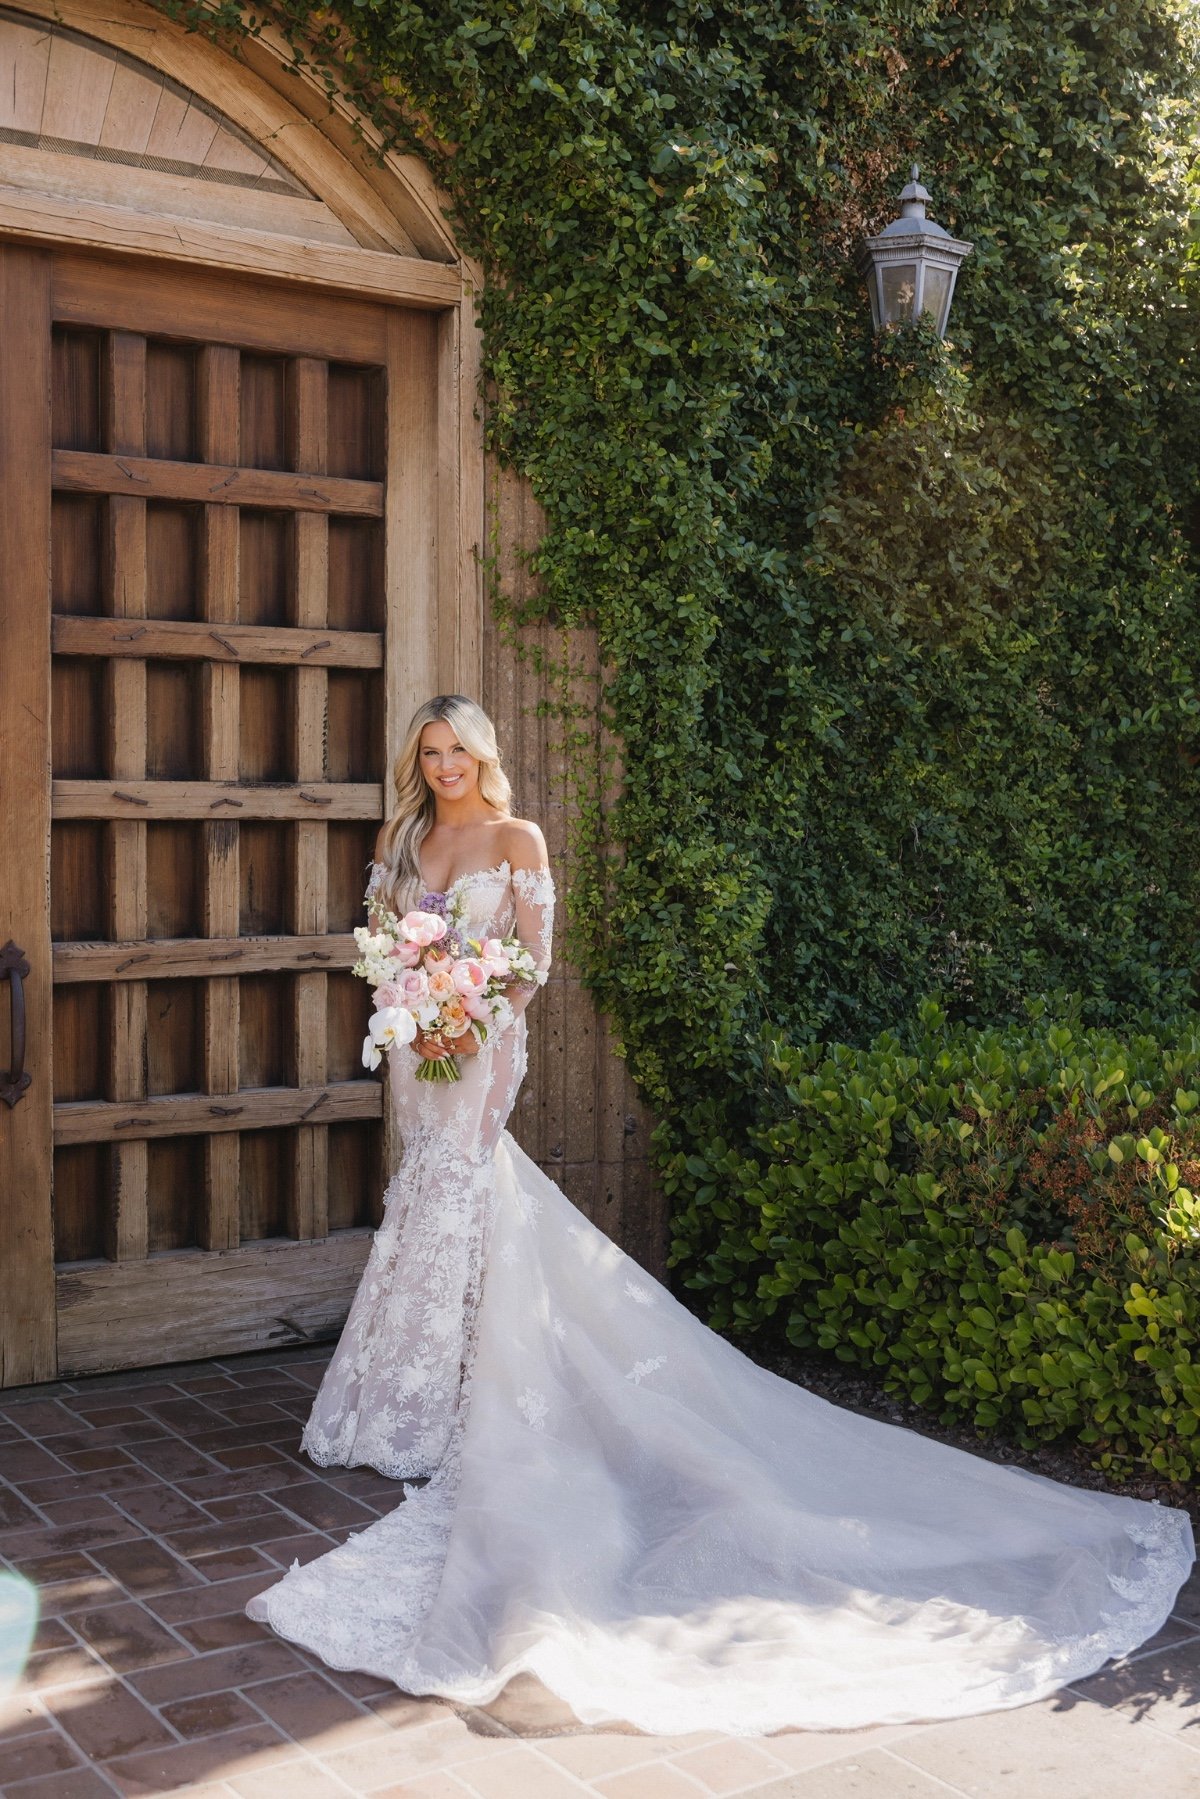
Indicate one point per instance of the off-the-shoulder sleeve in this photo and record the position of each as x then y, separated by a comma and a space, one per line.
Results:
533, 891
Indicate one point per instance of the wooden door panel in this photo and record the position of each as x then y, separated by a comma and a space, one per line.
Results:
143, 478
76, 389
216, 493
164, 1310
182, 641
181, 956
192, 1114
220, 772
217, 309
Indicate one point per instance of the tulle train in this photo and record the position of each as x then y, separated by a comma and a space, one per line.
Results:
667, 1534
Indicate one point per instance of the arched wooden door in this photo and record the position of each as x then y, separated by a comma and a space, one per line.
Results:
210, 483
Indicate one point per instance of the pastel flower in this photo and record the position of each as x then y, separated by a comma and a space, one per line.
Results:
413, 988
434, 902
373, 943
390, 1025
388, 994
407, 954
470, 976
454, 1018
423, 927
491, 954
503, 1014
441, 984
478, 1007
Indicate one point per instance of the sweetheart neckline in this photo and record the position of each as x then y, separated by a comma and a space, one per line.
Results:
472, 874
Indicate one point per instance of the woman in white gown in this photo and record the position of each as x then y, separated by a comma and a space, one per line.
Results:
618, 1501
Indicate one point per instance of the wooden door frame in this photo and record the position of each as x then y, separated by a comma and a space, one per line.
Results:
433, 566
387, 201
28, 1349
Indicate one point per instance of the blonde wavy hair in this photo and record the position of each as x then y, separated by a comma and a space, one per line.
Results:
411, 822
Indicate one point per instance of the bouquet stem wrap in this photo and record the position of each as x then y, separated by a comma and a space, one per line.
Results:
438, 1068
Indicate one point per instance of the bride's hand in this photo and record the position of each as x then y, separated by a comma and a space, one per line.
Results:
435, 1051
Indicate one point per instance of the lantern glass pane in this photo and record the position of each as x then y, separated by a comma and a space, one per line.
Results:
873, 296
899, 284
936, 294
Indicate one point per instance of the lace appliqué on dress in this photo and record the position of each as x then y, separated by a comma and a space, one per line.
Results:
534, 888
533, 1408
392, 1394
534, 885
1156, 1579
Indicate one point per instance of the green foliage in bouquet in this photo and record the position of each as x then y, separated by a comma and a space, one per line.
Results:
1004, 1223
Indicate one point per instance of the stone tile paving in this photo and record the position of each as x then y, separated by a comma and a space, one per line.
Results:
148, 1507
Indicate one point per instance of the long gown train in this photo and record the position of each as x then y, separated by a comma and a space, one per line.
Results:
622, 1504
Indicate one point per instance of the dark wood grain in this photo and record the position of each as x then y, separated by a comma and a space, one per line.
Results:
27, 1326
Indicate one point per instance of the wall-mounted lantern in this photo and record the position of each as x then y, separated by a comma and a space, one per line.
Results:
911, 267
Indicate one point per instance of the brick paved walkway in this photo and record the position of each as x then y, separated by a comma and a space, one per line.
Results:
147, 1508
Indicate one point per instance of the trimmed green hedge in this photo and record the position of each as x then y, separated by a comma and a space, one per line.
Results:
1004, 1223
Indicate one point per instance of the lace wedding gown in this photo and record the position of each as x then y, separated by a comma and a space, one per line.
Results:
622, 1504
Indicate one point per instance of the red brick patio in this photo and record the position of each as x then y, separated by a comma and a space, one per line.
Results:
147, 1508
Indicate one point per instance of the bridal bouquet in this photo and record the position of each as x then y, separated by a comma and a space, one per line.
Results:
428, 975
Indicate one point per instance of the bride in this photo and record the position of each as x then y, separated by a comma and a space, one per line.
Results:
614, 1499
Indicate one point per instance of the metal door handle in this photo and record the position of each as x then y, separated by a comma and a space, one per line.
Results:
16, 1083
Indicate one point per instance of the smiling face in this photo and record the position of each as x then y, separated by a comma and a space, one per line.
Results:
446, 767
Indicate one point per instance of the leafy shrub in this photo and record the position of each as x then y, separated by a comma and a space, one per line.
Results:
1003, 1222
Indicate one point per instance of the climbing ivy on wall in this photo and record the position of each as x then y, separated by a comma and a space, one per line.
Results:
904, 639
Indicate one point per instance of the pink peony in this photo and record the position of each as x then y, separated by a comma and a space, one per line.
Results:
423, 927
387, 994
494, 960
470, 976
407, 954
478, 1008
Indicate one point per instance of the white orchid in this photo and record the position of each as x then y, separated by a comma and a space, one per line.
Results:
391, 1024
